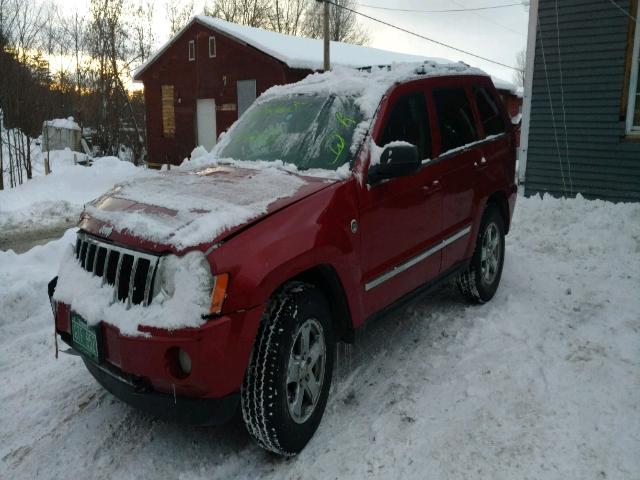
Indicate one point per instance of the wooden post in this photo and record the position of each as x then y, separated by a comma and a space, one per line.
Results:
327, 62
1, 147
47, 165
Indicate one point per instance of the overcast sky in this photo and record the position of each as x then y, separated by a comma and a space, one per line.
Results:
498, 34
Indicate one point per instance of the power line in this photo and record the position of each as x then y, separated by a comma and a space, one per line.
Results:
491, 20
475, 55
471, 9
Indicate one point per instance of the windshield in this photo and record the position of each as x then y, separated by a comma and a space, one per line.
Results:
309, 131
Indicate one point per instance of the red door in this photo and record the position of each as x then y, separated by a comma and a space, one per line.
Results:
460, 156
400, 219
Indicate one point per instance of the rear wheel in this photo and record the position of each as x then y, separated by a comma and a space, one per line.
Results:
480, 281
287, 384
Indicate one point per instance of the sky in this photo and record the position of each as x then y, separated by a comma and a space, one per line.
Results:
498, 34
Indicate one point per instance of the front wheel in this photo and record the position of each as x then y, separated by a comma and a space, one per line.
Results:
480, 281
287, 384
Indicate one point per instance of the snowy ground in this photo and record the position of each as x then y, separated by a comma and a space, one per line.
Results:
542, 382
45, 201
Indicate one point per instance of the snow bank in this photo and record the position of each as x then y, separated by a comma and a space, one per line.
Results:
45, 199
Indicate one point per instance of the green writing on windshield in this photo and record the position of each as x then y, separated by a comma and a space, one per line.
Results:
345, 121
336, 146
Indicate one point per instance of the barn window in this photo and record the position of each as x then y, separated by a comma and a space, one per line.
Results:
168, 112
633, 100
212, 47
192, 50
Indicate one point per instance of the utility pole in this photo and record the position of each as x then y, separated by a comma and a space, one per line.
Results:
327, 61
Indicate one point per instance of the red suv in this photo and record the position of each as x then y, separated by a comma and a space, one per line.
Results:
226, 285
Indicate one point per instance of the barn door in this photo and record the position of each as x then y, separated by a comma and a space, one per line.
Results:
206, 122
246, 94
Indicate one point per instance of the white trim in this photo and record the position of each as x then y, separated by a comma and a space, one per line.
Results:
192, 50
633, 82
415, 260
528, 87
214, 46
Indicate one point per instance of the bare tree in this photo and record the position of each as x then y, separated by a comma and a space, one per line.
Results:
254, 13
343, 24
178, 15
521, 64
287, 16
142, 29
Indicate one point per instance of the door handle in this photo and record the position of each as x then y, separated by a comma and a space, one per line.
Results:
483, 162
431, 187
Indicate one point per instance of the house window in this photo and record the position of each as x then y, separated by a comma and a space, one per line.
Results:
192, 50
168, 112
633, 105
212, 47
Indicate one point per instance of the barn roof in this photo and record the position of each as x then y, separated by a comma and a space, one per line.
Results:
295, 52
305, 53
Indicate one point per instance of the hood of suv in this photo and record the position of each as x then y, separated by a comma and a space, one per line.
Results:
184, 209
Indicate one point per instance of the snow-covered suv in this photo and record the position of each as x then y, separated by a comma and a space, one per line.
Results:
227, 282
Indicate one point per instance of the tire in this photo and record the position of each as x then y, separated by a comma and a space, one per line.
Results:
285, 390
481, 279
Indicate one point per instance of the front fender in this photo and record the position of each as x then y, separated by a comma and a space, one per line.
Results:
314, 231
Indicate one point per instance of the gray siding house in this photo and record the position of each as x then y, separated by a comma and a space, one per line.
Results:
584, 100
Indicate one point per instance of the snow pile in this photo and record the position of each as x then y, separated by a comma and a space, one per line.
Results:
542, 382
68, 123
193, 206
46, 199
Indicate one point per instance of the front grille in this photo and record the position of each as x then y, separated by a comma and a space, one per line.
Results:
129, 272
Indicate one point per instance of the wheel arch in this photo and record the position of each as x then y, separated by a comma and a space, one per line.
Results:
325, 278
499, 199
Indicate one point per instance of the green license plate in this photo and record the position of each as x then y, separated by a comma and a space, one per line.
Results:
85, 338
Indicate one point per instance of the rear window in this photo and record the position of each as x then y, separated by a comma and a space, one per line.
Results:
490, 114
457, 127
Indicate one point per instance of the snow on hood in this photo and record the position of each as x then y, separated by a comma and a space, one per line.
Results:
189, 207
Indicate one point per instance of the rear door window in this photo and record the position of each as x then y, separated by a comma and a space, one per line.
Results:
455, 119
490, 114
409, 121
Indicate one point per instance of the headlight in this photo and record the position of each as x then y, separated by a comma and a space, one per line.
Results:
189, 279
165, 277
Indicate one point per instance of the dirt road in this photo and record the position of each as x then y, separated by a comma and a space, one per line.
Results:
23, 239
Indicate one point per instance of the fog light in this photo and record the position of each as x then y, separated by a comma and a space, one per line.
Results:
185, 361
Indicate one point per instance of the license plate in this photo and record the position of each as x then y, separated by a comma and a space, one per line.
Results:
85, 338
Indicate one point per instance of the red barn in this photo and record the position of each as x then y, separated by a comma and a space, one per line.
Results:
198, 83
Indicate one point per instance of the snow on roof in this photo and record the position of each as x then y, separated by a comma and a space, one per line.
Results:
307, 53
296, 52
301, 52
368, 87
501, 84
68, 123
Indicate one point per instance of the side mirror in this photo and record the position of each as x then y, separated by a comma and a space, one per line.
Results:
397, 160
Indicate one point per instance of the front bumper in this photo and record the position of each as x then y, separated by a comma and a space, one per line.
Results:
219, 351
191, 410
